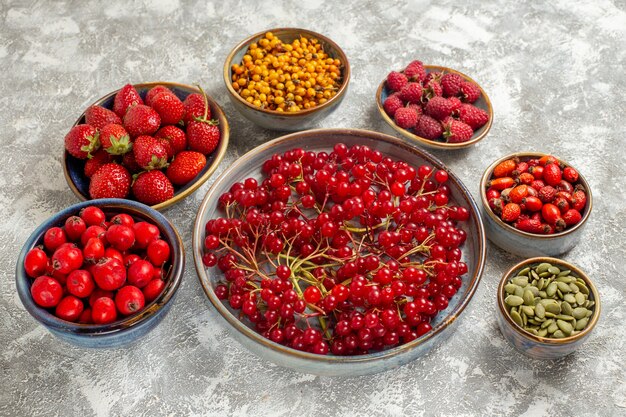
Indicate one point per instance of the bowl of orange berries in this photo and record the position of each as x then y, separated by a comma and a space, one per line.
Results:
286, 79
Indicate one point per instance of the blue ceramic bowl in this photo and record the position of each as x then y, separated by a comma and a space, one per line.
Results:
74, 168
274, 120
483, 103
249, 165
122, 331
538, 347
529, 244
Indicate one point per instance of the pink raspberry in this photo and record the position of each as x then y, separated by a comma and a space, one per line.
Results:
406, 117
473, 116
456, 132
415, 71
392, 104
470, 92
438, 107
428, 128
455, 103
412, 93
396, 80
451, 84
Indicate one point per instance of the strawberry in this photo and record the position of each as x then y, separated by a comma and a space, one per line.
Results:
175, 136
469, 92
81, 141
552, 174
456, 132
392, 104
473, 116
115, 140
99, 117
125, 98
169, 107
438, 108
396, 80
451, 84
412, 93
572, 217
128, 160
406, 118
415, 71
532, 226
203, 136
428, 128
195, 107
511, 212
149, 153
152, 187
100, 158
110, 181
547, 193
141, 120
185, 167
154, 91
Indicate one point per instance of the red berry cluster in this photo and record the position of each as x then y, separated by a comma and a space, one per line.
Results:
540, 195
434, 105
345, 252
93, 270
162, 140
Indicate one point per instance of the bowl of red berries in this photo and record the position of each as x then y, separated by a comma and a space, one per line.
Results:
534, 204
101, 273
339, 251
435, 106
155, 143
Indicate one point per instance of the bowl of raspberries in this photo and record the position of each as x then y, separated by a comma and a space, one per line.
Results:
435, 106
155, 143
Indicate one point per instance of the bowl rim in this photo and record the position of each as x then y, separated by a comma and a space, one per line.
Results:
197, 244
219, 153
168, 231
507, 227
545, 340
278, 31
432, 143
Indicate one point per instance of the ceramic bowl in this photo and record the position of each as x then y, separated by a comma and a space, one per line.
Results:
74, 168
483, 103
249, 165
122, 331
270, 119
538, 347
529, 244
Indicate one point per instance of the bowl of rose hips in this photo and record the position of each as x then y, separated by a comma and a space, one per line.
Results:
155, 143
339, 251
286, 78
534, 204
547, 307
101, 273
435, 106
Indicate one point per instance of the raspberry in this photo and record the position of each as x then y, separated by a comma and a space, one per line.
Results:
457, 132
415, 71
456, 105
432, 89
396, 80
428, 128
417, 107
451, 84
392, 104
470, 92
433, 76
438, 107
406, 117
412, 93
473, 116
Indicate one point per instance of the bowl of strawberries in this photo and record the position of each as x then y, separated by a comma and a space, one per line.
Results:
435, 106
534, 204
154, 142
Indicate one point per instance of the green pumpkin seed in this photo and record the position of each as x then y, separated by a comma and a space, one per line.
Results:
551, 290
589, 313
517, 318
528, 297
544, 274
533, 331
550, 315
558, 334
566, 308
553, 308
543, 267
533, 289
579, 313
554, 270
553, 328
565, 279
570, 298
580, 298
510, 288
542, 333
582, 287
524, 271
589, 303
564, 317
565, 327
524, 318
520, 281
519, 291
559, 294
527, 310
574, 288
540, 310
534, 274
534, 322
547, 323
541, 284
563, 287
543, 294
513, 301
564, 273
582, 323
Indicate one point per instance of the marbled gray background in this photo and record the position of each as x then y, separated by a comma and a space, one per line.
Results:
555, 74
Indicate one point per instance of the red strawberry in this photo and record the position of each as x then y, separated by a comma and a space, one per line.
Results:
432, 89
149, 153
195, 106
154, 91
451, 84
110, 181
115, 140
406, 118
203, 136
99, 117
141, 120
176, 137
169, 107
128, 160
428, 128
412, 93
456, 132
81, 141
126, 98
152, 188
473, 116
438, 108
100, 158
547, 193
415, 71
396, 80
469, 92
552, 174
185, 167
392, 104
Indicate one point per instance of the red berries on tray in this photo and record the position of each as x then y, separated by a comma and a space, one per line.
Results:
95, 269
539, 195
125, 146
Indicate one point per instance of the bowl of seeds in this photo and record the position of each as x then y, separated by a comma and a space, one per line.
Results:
547, 307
